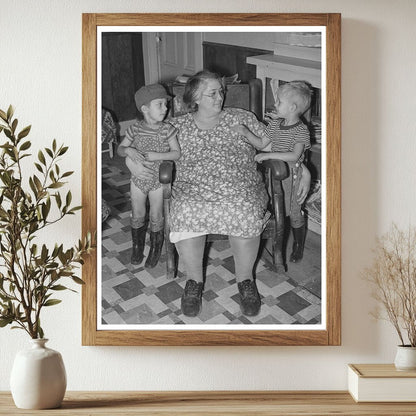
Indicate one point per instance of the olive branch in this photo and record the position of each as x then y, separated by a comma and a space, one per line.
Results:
30, 274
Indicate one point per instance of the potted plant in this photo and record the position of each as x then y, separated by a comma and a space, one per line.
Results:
393, 277
31, 272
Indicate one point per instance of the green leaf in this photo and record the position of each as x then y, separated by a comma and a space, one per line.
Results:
37, 183
77, 208
54, 145
68, 199
49, 152
41, 157
39, 167
45, 211
8, 133
63, 150
78, 280
44, 253
59, 287
3, 115
56, 185
25, 145
67, 174
10, 112
33, 187
25, 155
40, 331
5, 321
24, 133
58, 199
14, 125
51, 302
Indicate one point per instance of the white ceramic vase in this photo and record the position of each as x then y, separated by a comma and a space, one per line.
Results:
405, 358
38, 377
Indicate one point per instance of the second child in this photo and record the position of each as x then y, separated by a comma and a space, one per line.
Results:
150, 140
287, 138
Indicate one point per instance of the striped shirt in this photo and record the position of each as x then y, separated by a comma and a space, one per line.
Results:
283, 138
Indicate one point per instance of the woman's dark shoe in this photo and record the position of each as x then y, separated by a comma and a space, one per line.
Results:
298, 244
138, 236
191, 300
156, 243
250, 302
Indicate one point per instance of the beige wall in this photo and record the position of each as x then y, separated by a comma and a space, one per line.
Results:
40, 73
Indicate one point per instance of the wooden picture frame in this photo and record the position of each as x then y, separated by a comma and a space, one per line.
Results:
331, 333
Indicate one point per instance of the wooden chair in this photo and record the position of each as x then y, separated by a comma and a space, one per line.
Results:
249, 97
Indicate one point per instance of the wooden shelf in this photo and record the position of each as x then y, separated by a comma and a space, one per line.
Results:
222, 403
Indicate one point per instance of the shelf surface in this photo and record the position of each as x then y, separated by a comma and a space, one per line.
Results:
222, 403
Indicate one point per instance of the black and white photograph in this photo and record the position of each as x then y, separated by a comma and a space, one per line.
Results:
212, 161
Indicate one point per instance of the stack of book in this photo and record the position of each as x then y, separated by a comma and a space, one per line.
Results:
381, 383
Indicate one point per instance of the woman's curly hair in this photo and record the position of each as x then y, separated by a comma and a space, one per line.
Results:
195, 86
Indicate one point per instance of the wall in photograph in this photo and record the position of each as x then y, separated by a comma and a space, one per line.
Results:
41, 76
249, 40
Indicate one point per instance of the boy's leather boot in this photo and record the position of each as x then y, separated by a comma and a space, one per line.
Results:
298, 244
138, 236
156, 243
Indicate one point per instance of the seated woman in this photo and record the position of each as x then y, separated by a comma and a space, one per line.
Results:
217, 190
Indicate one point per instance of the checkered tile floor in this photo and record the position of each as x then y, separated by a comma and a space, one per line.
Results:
135, 295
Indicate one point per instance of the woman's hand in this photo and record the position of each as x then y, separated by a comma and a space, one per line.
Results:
304, 185
140, 170
134, 154
261, 157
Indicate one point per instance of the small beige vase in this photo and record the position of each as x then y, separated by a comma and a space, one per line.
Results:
38, 377
405, 358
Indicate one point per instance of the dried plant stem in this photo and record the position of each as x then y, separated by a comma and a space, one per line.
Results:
393, 276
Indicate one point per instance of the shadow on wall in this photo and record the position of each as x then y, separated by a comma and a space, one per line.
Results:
361, 185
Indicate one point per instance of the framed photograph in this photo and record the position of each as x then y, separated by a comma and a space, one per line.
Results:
127, 299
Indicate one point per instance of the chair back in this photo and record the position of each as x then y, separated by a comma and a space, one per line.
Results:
247, 96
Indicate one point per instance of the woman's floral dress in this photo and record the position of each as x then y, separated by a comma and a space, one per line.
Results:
217, 189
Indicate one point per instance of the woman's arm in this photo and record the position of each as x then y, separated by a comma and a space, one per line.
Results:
124, 150
140, 169
173, 154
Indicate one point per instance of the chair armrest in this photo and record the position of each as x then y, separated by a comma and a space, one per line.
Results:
278, 168
166, 172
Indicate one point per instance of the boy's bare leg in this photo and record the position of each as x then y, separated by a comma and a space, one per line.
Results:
138, 226
156, 209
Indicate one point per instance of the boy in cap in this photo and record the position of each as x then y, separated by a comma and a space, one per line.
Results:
149, 140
